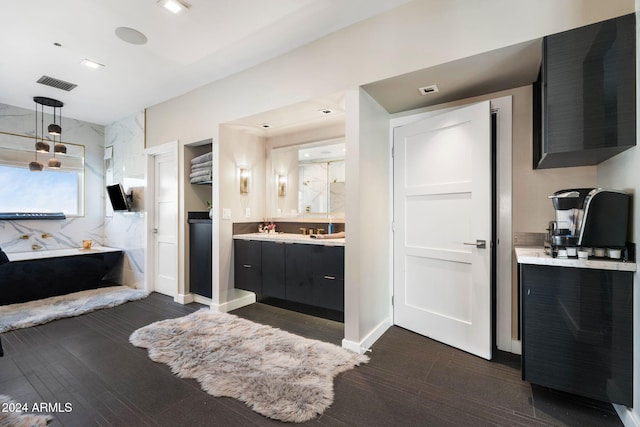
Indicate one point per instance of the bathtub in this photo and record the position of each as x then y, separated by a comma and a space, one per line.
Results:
40, 274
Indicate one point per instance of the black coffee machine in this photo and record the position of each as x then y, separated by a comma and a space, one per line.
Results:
588, 218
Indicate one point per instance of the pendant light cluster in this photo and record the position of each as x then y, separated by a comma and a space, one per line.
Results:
54, 130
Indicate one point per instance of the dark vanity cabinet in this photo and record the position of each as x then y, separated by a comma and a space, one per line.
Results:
585, 99
248, 265
577, 331
304, 273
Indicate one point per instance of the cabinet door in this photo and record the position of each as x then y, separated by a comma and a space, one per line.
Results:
248, 265
328, 277
200, 258
273, 269
298, 273
578, 331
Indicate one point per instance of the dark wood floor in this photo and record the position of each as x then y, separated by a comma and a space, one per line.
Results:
410, 381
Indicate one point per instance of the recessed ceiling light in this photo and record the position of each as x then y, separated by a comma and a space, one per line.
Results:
91, 64
174, 6
428, 89
266, 126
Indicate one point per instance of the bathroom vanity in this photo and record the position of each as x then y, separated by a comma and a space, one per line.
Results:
577, 324
291, 267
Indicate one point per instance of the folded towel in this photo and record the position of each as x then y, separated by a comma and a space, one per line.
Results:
201, 159
201, 180
201, 173
205, 165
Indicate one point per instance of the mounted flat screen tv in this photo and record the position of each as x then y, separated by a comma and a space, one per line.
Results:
118, 198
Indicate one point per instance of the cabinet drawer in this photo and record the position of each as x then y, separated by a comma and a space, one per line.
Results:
248, 265
328, 292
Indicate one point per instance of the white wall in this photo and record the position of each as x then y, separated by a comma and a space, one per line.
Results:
621, 172
368, 222
415, 36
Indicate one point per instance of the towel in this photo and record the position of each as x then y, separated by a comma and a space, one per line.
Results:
201, 180
201, 159
205, 165
201, 173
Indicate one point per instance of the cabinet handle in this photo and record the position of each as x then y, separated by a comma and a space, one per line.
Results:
247, 266
330, 277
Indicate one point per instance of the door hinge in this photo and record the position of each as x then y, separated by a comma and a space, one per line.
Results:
393, 151
392, 300
393, 227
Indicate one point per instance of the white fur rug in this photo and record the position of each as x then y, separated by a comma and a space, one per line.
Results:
24, 315
278, 374
11, 418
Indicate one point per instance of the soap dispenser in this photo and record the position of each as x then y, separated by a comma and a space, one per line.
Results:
330, 227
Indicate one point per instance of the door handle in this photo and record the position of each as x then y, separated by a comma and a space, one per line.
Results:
480, 244
155, 231
246, 265
330, 277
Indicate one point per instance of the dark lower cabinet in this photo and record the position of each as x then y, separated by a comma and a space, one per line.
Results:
273, 269
302, 273
577, 331
248, 265
200, 257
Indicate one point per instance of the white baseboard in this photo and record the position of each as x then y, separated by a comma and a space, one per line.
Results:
628, 417
184, 298
235, 303
201, 300
364, 345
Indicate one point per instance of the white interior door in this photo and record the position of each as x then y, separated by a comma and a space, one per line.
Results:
442, 208
165, 224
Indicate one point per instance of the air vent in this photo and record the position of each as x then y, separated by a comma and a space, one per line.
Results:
58, 84
428, 89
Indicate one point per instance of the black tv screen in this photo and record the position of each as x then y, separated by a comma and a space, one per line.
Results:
117, 197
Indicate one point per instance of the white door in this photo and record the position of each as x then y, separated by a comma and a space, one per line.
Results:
442, 209
165, 224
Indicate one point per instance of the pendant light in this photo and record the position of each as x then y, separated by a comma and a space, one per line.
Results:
54, 129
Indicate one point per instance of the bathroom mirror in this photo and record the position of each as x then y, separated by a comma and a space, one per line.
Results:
308, 180
50, 190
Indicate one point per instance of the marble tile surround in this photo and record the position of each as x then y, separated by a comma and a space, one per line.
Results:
122, 230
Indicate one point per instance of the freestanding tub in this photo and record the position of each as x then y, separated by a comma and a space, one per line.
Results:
40, 274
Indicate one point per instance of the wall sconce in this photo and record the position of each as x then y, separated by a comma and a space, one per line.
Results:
244, 181
281, 182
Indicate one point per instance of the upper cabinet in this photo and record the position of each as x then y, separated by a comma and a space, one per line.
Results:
585, 98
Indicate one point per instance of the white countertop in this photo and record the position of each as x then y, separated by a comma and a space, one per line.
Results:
536, 255
55, 253
290, 238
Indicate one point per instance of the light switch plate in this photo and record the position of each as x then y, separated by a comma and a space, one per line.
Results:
226, 213
247, 212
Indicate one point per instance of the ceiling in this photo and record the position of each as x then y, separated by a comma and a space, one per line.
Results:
213, 39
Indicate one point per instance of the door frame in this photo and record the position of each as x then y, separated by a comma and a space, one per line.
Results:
149, 207
504, 299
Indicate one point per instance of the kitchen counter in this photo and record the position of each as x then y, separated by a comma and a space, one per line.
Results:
290, 238
537, 256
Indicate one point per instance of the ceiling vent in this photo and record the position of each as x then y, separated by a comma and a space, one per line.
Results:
58, 84
428, 89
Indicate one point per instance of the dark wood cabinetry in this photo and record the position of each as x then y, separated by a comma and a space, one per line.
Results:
248, 265
302, 273
577, 331
584, 102
200, 256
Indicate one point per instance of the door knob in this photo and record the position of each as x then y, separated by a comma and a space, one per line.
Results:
480, 244
155, 231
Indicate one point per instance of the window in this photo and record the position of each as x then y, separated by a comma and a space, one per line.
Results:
52, 190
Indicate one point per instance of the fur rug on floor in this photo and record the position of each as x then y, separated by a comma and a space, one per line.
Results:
24, 315
277, 374
11, 418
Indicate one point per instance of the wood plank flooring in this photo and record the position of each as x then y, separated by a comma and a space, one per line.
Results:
88, 362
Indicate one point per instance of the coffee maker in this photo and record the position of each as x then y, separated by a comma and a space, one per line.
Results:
592, 218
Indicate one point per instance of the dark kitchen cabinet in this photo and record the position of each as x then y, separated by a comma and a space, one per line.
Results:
248, 265
585, 99
200, 255
298, 277
577, 331
273, 269
327, 277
